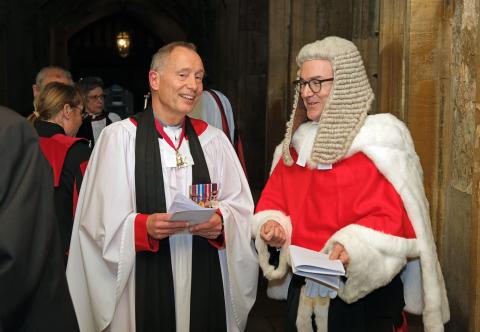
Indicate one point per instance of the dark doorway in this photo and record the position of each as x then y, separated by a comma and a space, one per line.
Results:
93, 52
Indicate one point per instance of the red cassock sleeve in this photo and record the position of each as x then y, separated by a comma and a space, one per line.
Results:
143, 242
321, 202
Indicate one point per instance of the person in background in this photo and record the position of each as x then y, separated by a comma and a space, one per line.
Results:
349, 185
33, 287
130, 268
57, 117
97, 118
214, 108
50, 74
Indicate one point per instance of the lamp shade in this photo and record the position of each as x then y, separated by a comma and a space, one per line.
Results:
123, 43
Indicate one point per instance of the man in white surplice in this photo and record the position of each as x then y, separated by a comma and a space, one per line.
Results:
111, 232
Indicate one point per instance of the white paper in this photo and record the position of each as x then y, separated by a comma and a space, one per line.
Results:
184, 209
317, 266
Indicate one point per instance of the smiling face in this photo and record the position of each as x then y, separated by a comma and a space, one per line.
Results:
177, 85
315, 101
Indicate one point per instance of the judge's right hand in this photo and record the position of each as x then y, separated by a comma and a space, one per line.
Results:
273, 234
158, 226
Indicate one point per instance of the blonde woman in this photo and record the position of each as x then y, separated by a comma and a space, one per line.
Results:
58, 115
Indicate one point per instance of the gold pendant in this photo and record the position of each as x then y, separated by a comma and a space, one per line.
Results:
180, 159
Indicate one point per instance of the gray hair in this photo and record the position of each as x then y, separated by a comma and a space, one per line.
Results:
45, 70
158, 59
346, 108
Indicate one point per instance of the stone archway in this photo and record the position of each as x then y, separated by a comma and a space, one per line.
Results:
86, 45
162, 25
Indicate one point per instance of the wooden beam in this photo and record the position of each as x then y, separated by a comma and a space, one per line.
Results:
391, 69
475, 231
277, 86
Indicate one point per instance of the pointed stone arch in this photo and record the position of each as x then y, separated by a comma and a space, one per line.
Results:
161, 24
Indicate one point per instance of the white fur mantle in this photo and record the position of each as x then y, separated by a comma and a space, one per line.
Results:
387, 142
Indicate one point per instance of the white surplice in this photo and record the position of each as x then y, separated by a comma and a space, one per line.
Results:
101, 266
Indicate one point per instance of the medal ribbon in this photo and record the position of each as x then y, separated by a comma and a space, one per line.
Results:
167, 139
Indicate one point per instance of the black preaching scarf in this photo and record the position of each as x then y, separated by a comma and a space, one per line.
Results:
154, 293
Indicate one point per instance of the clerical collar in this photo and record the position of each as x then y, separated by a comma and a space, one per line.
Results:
164, 125
97, 117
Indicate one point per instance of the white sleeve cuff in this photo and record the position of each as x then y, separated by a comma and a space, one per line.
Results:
375, 258
259, 219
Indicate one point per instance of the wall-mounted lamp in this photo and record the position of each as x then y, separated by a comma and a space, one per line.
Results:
123, 43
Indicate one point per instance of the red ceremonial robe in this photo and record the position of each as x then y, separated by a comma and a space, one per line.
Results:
320, 202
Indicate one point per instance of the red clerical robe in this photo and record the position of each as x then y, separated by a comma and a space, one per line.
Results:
320, 202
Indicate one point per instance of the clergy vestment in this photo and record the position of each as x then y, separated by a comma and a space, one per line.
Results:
68, 157
92, 126
101, 270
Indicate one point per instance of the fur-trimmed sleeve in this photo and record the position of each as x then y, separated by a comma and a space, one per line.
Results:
271, 206
375, 258
269, 271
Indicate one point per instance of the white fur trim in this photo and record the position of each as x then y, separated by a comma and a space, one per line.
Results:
277, 154
321, 305
375, 259
387, 142
306, 307
304, 312
278, 289
259, 219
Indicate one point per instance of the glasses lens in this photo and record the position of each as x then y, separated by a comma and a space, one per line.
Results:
315, 85
96, 97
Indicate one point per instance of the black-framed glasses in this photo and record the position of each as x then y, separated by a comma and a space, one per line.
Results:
315, 84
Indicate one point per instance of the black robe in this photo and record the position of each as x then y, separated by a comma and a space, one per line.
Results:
86, 131
33, 289
70, 179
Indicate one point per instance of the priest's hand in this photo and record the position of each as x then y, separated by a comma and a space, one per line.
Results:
273, 234
210, 229
158, 226
340, 253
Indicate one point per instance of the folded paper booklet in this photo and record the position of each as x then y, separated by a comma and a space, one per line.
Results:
184, 209
317, 266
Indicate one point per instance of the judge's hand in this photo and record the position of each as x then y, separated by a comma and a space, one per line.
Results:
273, 234
340, 253
210, 229
158, 226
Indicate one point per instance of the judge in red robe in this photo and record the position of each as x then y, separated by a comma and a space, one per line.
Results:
349, 185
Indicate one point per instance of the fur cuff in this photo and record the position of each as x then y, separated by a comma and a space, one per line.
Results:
375, 259
259, 219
